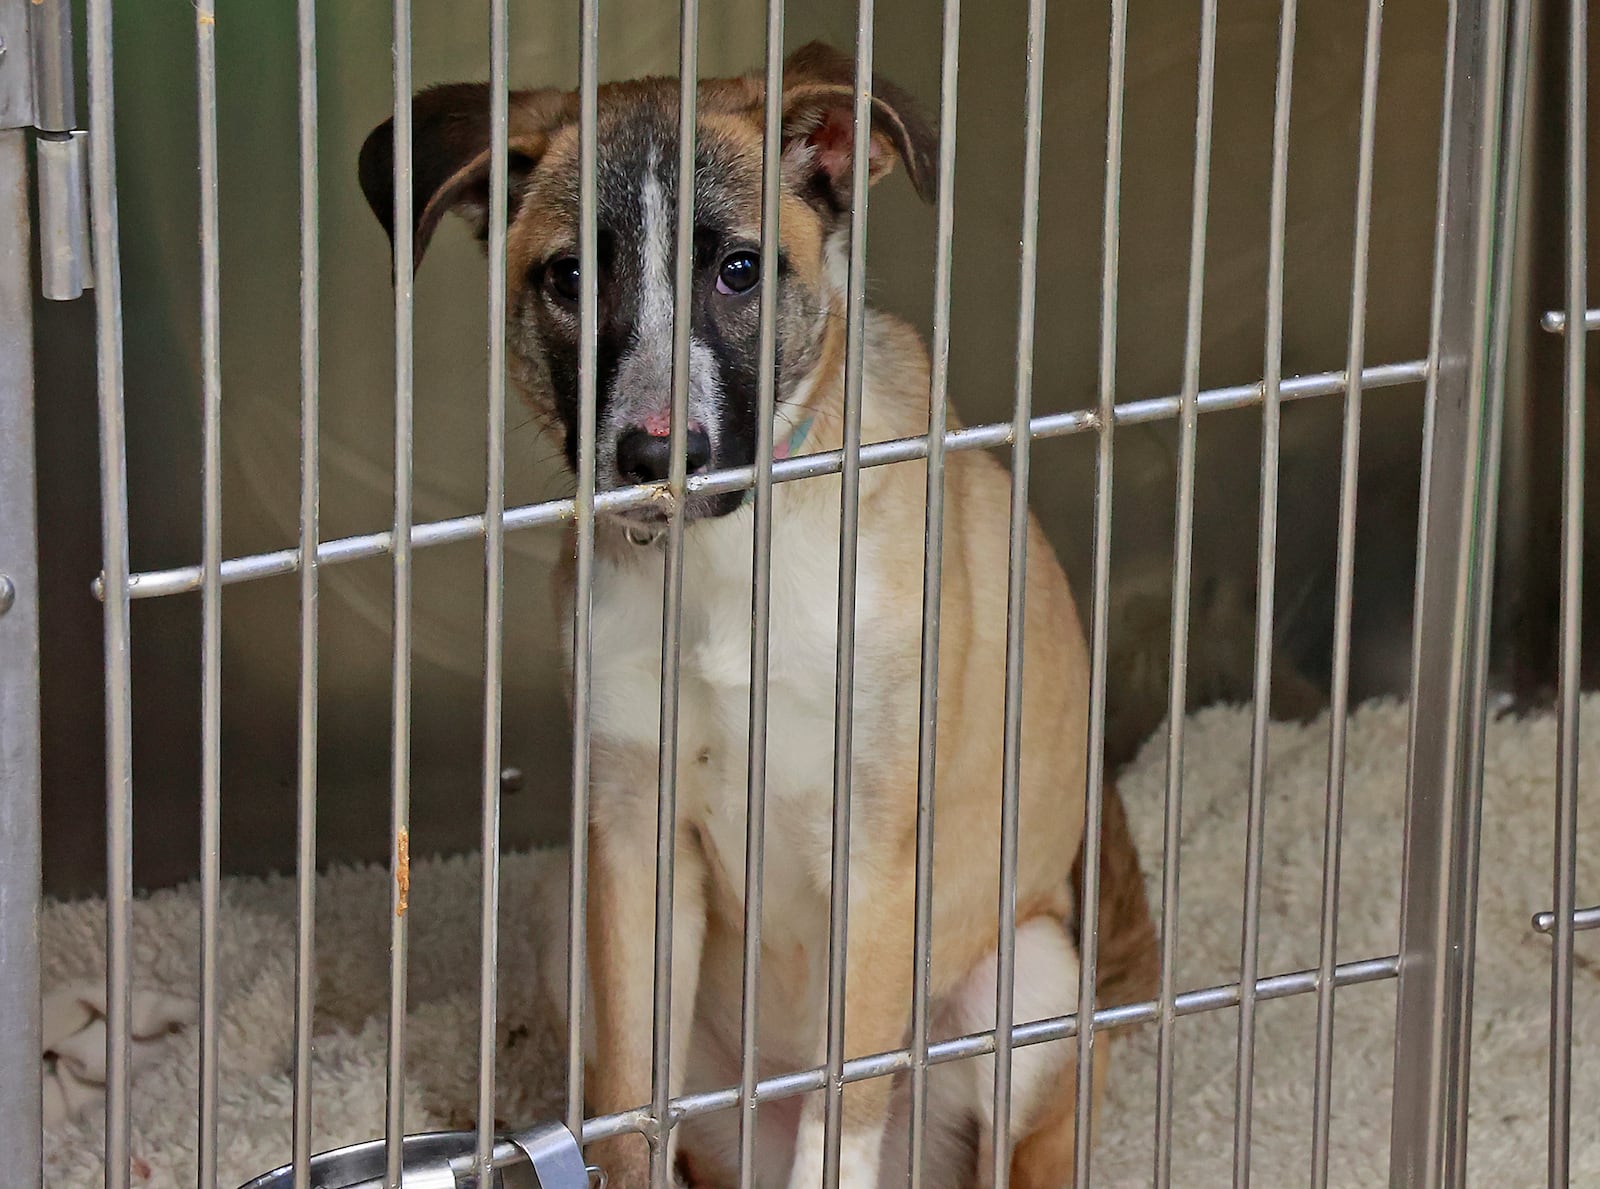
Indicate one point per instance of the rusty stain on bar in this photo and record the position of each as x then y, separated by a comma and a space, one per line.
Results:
402, 872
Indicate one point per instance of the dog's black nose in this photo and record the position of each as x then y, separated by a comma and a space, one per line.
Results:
644, 457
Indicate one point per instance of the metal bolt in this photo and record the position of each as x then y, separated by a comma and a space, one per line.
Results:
511, 780
8, 594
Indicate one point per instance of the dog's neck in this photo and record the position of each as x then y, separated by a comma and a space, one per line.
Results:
787, 447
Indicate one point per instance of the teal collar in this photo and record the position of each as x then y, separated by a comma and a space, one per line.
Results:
796, 439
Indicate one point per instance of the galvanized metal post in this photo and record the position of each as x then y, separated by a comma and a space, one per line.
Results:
20, 1107
1435, 982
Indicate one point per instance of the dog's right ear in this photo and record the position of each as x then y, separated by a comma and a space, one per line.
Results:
450, 137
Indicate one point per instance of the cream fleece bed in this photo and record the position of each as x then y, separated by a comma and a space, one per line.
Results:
257, 956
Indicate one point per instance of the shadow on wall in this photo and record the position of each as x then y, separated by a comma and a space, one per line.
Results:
256, 46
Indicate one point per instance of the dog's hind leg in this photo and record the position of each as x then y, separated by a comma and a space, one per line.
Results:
1043, 1084
1042, 1158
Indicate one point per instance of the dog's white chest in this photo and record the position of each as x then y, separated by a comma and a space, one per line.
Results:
714, 698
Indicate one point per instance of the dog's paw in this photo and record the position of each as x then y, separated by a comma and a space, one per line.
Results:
624, 1162
622, 1175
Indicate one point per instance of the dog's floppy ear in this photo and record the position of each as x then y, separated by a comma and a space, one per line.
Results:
450, 137
819, 125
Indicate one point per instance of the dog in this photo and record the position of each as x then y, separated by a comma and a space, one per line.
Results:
637, 188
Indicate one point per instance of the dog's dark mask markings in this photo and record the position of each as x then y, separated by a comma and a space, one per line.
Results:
637, 214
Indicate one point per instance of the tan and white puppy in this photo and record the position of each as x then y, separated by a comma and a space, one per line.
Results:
638, 184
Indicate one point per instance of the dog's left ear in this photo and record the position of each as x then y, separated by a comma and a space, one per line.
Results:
450, 136
819, 125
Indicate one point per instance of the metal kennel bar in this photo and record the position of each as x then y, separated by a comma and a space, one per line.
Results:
932, 585
253, 567
1344, 597
20, 787
977, 1044
494, 577
1016, 597
1100, 596
400, 669
1182, 574
1572, 526
760, 601
845, 637
1504, 276
114, 576
305, 958
211, 581
661, 1030
1434, 981
583, 578
1582, 919
1555, 321
1266, 584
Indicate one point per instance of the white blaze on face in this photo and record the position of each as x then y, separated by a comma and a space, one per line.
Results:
642, 392
655, 264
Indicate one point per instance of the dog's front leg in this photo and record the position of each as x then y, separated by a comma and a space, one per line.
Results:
621, 916
878, 995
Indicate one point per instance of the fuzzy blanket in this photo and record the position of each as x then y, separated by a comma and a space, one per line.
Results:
1511, 1014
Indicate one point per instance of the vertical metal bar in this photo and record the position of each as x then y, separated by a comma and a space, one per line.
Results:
1100, 612
932, 585
1016, 599
1566, 841
1432, 987
1344, 597
310, 514
761, 598
494, 578
1266, 584
1436, 317
588, 341
114, 571
1506, 266
400, 760
20, 791
849, 532
1182, 553
672, 599
210, 584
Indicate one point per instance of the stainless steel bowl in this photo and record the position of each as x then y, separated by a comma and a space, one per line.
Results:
542, 1157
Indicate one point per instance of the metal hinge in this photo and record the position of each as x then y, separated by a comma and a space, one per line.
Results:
38, 90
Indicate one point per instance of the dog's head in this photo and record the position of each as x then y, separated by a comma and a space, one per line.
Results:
637, 212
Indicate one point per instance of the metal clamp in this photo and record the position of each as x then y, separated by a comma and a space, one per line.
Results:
556, 1158
435, 1174
448, 1160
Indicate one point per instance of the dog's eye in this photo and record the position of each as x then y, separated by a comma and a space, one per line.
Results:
739, 273
564, 277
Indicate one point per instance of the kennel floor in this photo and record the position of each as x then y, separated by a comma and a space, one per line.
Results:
1510, 1019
